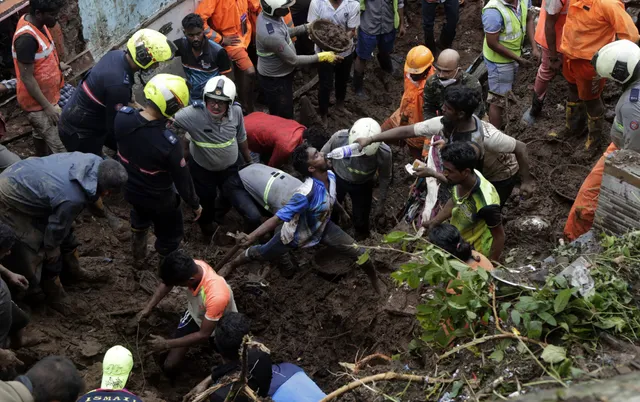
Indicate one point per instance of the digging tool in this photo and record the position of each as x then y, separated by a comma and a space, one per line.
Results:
227, 257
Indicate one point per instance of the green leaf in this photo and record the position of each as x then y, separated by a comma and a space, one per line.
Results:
534, 330
482, 273
497, 355
564, 326
413, 280
561, 281
548, 318
456, 305
527, 303
565, 368
471, 315
521, 348
363, 258
607, 323
561, 301
455, 389
515, 317
554, 354
394, 237
458, 265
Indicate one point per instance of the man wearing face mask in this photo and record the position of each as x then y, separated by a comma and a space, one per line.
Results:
448, 72
86, 122
217, 138
202, 58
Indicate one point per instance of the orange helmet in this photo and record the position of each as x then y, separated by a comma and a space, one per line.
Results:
418, 60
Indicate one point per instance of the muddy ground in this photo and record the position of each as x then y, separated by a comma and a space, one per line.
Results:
312, 320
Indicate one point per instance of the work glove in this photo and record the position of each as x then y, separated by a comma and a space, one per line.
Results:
327, 57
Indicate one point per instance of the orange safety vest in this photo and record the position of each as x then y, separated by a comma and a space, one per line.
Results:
540, 37
411, 107
46, 69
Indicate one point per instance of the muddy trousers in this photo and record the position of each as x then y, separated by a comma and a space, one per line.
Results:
168, 223
584, 207
278, 93
333, 237
361, 197
448, 34
505, 188
43, 130
207, 184
328, 74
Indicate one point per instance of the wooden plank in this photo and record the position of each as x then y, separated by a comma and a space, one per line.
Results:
306, 87
10, 7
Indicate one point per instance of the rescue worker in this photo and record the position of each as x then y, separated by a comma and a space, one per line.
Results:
474, 207
618, 61
53, 378
86, 123
217, 145
269, 187
356, 176
505, 22
448, 73
448, 33
589, 26
116, 367
227, 23
40, 78
202, 58
346, 15
209, 297
417, 69
379, 21
553, 15
156, 166
305, 220
42, 216
503, 160
275, 138
277, 58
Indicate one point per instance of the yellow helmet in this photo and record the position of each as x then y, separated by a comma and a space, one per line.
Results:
147, 46
418, 60
168, 92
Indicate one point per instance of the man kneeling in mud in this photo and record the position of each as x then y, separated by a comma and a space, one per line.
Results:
305, 220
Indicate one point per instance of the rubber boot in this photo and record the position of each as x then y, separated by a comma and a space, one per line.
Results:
287, 266
575, 118
530, 115
358, 85
370, 270
139, 245
55, 295
594, 137
41, 147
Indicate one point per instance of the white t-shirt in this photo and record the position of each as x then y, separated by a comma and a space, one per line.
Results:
347, 16
554, 7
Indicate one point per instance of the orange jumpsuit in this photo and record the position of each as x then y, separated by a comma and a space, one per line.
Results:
224, 18
410, 111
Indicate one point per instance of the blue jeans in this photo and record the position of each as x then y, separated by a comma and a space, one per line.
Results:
448, 33
333, 237
367, 44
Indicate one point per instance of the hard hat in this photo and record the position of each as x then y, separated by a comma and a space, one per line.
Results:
365, 127
270, 6
617, 60
221, 88
116, 367
418, 60
147, 46
168, 92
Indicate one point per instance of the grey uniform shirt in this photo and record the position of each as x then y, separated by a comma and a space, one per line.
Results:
361, 169
270, 187
214, 143
625, 130
276, 52
377, 18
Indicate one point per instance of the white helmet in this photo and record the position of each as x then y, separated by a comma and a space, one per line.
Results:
365, 127
269, 7
617, 60
221, 88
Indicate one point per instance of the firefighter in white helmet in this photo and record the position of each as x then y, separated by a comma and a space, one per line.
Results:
277, 58
618, 61
356, 176
218, 146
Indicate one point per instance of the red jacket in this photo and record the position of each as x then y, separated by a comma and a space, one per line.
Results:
273, 135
